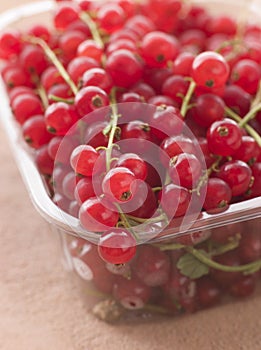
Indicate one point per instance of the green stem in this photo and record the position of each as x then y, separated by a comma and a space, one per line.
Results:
69, 101
156, 189
204, 178
251, 131
40, 90
226, 43
125, 221
151, 220
156, 309
227, 247
53, 58
113, 128
171, 246
186, 100
42, 94
86, 18
250, 115
247, 268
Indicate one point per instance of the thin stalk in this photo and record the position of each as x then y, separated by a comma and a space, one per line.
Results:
113, 128
125, 221
40, 90
251, 131
247, 268
54, 59
204, 178
250, 115
227, 247
86, 18
69, 101
151, 220
187, 98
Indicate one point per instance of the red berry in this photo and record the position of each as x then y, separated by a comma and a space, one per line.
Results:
120, 184
89, 99
124, 68
208, 292
10, 43
208, 109
97, 77
185, 169
157, 48
224, 137
79, 65
96, 215
174, 145
246, 74
43, 161
33, 59
35, 132
152, 266
134, 163
218, 195
110, 17
210, 69
83, 159
65, 15
60, 118
84, 190
90, 48
143, 204
25, 106
244, 287
117, 246
166, 121
175, 200
237, 175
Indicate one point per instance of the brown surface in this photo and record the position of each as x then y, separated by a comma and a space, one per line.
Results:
41, 307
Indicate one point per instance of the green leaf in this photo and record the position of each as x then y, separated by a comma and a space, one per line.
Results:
191, 267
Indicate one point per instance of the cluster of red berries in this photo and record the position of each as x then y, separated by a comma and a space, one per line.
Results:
140, 113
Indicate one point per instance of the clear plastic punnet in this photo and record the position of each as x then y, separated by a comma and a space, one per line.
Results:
180, 263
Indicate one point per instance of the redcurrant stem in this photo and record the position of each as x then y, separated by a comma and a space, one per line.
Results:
125, 221
69, 101
226, 43
205, 259
167, 179
155, 308
54, 59
86, 18
204, 178
251, 131
233, 244
171, 246
250, 115
156, 189
151, 220
42, 94
247, 268
257, 98
113, 127
40, 90
81, 126
187, 98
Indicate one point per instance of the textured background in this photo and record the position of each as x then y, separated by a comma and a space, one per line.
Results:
41, 306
